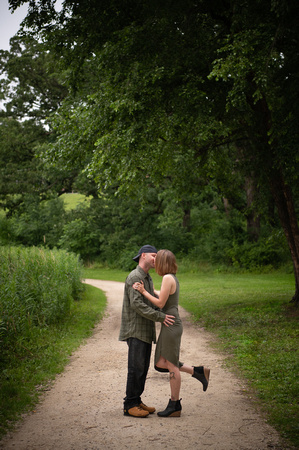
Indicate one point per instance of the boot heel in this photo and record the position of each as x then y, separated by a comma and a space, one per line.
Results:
175, 414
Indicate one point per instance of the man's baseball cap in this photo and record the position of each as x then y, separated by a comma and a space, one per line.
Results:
145, 249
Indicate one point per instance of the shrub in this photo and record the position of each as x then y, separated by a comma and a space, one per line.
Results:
38, 223
81, 237
269, 251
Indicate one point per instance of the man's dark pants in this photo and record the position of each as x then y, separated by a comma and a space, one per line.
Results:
139, 355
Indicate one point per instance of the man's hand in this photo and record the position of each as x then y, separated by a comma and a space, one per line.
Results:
169, 320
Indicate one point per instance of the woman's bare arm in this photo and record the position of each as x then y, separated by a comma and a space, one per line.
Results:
168, 287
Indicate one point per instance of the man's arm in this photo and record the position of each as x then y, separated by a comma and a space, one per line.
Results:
137, 303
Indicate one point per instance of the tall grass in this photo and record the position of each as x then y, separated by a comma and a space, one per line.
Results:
36, 288
46, 312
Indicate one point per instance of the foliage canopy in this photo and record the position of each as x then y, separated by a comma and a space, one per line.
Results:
186, 92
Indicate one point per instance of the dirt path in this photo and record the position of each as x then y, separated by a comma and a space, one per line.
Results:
83, 409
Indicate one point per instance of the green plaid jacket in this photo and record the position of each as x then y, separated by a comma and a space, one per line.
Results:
138, 314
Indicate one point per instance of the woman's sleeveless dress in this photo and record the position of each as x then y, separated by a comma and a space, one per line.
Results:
169, 341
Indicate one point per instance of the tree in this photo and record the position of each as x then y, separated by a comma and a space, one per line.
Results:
32, 86
177, 85
31, 89
260, 63
19, 170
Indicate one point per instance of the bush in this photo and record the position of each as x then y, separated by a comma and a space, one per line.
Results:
37, 224
81, 237
270, 251
224, 241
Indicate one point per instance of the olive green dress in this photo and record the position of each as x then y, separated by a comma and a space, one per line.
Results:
169, 341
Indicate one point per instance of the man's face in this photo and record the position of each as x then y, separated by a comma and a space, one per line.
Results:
149, 259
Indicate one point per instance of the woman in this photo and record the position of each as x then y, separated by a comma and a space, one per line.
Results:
168, 345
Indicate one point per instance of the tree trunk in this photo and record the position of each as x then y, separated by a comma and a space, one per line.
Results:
281, 191
282, 195
227, 206
253, 219
186, 220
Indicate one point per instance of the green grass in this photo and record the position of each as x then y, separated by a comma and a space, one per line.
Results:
36, 361
258, 328
105, 273
71, 201
255, 326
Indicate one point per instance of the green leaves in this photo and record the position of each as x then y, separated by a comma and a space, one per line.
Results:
32, 87
192, 93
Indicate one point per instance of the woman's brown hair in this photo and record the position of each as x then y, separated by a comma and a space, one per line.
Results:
165, 262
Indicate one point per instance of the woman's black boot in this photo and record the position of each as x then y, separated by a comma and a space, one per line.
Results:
202, 374
173, 409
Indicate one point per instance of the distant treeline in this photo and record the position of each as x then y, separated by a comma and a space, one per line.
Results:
110, 229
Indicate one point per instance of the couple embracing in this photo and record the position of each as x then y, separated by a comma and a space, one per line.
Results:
142, 307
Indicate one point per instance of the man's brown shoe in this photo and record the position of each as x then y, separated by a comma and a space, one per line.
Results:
150, 409
136, 411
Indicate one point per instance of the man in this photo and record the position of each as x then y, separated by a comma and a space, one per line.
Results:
138, 329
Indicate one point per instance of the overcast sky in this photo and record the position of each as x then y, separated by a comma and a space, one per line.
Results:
9, 23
